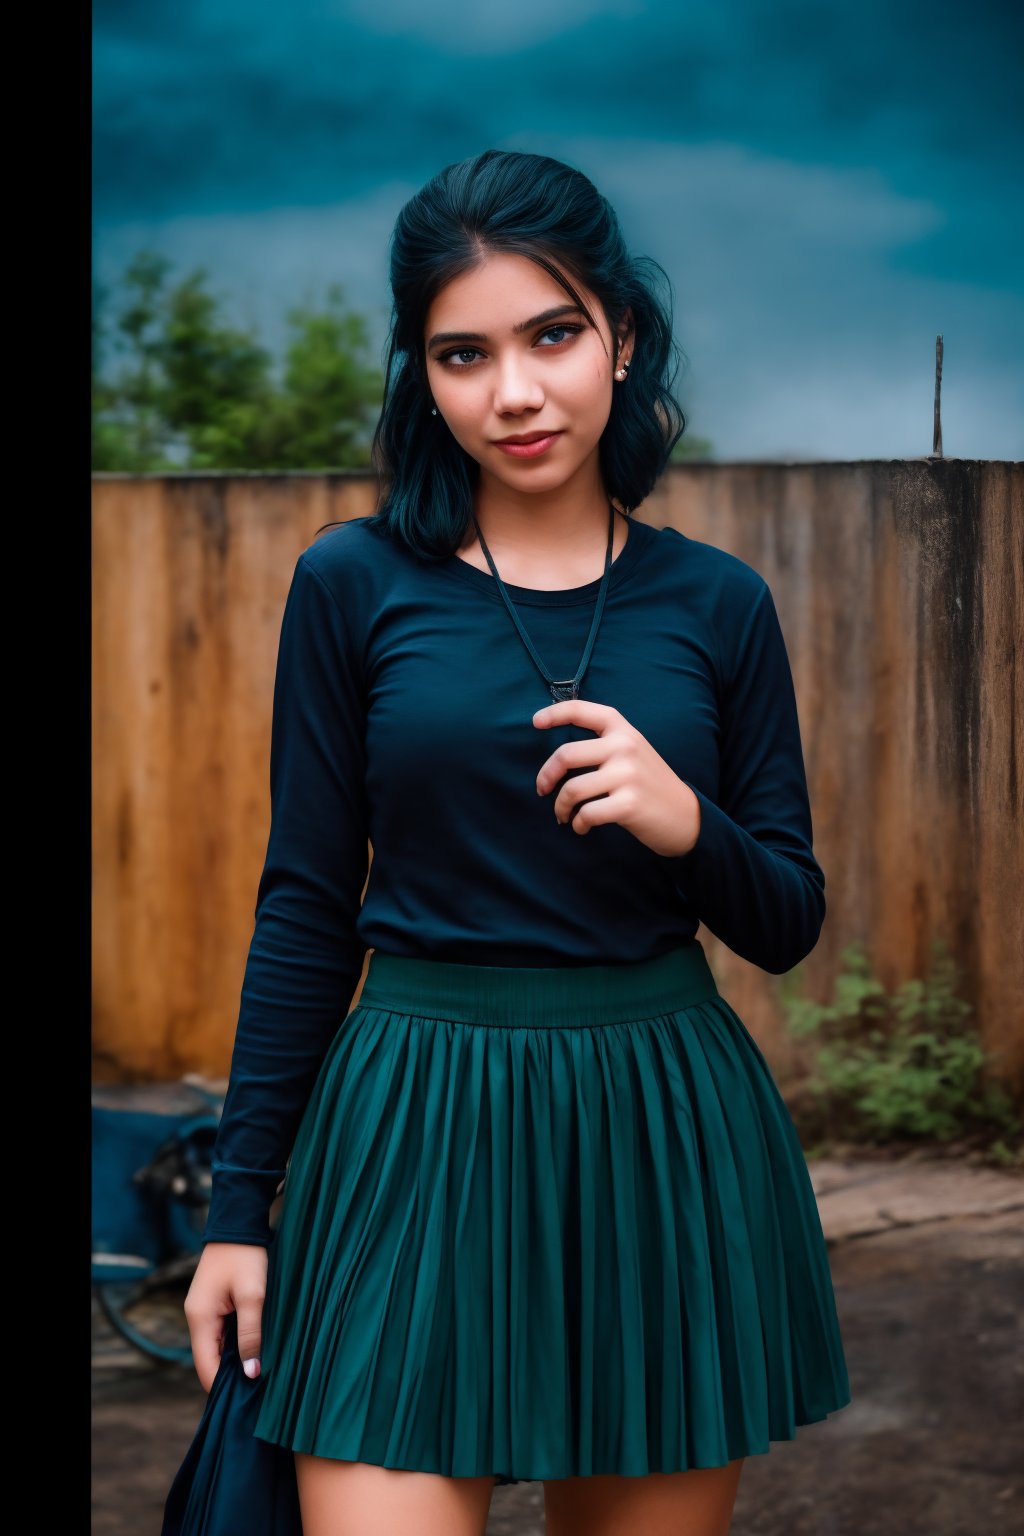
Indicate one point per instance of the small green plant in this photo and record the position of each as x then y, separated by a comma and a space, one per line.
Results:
900, 1065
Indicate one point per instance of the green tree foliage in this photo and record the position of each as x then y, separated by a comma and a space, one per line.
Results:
129, 430
327, 386
185, 390
689, 448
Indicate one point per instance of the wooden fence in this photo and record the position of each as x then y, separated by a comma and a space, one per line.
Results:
900, 588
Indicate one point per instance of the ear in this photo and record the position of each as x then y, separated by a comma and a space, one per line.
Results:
624, 332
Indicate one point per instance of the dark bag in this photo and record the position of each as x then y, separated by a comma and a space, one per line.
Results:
231, 1483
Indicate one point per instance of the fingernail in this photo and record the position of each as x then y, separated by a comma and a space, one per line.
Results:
251, 1367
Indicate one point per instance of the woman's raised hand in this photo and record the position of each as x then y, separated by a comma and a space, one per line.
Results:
629, 783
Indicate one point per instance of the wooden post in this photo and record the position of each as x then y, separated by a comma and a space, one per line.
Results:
937, 423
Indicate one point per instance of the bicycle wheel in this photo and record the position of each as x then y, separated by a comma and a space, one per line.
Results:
148, 1310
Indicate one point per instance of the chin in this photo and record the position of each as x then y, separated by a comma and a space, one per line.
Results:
536, 474
539, 484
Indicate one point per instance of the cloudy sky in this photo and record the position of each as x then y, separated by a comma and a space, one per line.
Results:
828, 186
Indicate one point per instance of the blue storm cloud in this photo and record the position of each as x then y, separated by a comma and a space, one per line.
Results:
846, 179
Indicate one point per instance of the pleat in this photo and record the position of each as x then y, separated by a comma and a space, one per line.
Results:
547, 1252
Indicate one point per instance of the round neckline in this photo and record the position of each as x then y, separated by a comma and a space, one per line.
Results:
555, 597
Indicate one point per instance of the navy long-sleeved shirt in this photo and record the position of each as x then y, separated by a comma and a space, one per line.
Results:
402, 717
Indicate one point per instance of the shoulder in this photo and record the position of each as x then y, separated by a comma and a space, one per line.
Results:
355, 563
345, 552
726, 595
730, 583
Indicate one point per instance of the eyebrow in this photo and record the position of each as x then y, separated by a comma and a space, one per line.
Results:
517, 330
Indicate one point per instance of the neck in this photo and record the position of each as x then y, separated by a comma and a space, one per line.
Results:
552, 538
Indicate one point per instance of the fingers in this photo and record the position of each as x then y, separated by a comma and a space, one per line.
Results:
581, 786
593, 752
592, 716
601, 810
207, 1345
249, 1306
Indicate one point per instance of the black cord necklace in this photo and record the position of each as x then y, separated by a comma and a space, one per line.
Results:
564, 688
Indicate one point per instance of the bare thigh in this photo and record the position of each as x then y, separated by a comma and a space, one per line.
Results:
353, 1498
695, 1503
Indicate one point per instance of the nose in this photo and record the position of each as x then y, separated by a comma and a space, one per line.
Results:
517, 389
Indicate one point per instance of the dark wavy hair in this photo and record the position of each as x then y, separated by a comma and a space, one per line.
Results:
540, 208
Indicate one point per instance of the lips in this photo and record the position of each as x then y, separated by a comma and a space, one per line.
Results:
528, 445
525, 437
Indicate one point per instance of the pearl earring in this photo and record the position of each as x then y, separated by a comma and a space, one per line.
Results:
433, 410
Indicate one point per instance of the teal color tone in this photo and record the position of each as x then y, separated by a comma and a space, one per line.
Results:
543, 1222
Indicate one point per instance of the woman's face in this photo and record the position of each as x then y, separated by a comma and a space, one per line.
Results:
508, 355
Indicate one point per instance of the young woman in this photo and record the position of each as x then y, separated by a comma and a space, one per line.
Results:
546, 1215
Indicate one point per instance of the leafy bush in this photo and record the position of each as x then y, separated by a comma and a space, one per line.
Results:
897, 1066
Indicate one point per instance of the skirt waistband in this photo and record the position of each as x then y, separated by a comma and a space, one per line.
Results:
557, 996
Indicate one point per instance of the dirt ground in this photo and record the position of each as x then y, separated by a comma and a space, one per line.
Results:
928, 1264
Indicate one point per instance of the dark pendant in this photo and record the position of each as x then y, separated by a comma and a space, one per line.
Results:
570, 689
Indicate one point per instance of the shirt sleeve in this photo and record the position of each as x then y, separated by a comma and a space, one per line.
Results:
304, 959
751, 877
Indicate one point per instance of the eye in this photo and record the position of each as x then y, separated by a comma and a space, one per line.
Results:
568, 330
448, 357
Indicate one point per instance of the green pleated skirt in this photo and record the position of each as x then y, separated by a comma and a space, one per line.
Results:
543, 1223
